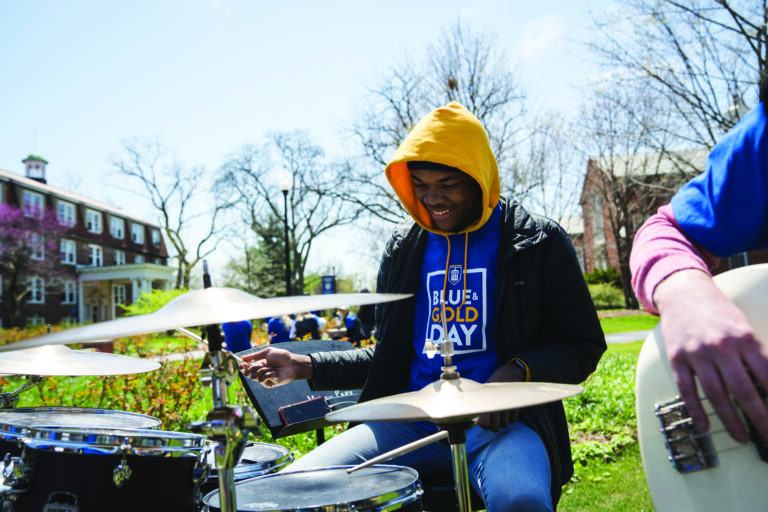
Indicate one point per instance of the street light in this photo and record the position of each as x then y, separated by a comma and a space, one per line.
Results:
284, 181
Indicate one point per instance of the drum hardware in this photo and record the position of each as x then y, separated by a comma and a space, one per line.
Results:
122, 473
454, 404
228, 425
9, 400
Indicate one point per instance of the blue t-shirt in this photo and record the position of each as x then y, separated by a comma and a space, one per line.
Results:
237, 335
725, 209
471, 322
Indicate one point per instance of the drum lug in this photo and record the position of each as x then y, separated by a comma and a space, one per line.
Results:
121, 473
16, 473
200, 472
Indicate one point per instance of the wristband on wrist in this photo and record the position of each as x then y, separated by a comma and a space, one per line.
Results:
519, 362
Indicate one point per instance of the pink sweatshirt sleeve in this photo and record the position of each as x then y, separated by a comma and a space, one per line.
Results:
660, 249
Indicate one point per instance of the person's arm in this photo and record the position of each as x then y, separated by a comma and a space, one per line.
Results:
661, 248
707, 338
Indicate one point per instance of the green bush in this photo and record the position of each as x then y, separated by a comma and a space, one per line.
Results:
151, 302
606, 296
604, 276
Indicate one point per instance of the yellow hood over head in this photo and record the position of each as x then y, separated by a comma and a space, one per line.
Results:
452, 136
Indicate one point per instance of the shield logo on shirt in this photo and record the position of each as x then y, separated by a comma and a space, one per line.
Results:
454, 273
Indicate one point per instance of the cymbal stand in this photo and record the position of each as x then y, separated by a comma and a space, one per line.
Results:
457, 432
9, 400
229, 425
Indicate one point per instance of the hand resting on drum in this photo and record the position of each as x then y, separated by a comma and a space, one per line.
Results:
275, 366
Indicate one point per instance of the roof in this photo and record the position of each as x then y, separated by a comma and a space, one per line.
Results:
69, 196
651, 164
36, 158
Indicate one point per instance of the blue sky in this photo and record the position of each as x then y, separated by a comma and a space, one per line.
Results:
207, 76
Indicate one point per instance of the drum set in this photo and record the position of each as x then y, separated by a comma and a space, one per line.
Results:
67, 459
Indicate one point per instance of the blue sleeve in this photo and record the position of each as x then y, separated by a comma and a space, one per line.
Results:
725, 208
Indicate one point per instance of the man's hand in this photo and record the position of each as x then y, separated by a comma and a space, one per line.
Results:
707, 337
275, 366
498, 420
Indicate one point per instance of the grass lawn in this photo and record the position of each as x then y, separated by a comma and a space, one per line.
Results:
628, 323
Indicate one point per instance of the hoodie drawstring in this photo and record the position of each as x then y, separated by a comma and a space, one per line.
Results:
464, 272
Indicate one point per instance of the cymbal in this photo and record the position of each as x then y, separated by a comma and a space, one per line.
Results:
455, 400
202, 307
52, 360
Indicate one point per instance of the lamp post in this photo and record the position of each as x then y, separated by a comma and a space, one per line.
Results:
284, 181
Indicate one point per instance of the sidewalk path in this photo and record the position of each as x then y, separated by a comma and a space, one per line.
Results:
626, 337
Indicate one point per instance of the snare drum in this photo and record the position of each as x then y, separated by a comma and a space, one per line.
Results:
258, 459
15, 423
120, 470
329, 489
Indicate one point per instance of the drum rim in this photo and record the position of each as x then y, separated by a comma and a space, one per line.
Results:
404, 495
145, 441
20, 428
254, 466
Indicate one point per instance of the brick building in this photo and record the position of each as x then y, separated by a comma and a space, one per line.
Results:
115, 255
640, 185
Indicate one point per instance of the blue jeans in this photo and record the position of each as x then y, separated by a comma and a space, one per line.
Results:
509, 469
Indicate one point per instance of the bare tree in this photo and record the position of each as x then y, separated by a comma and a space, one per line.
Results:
178, 194
704, 56
464, 66
249, 178
626, 178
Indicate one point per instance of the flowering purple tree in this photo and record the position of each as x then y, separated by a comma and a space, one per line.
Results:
29, 247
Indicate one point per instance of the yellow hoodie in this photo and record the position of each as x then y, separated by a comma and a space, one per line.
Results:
449, 135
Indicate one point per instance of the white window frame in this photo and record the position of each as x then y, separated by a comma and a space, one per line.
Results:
93, 221
36, 320
36, 287
119, 293
156, 237
137, 233
119, 257
95, 256
65, 213
69, 292
139, 258
117, 227
33, 204
68, 250
37, 246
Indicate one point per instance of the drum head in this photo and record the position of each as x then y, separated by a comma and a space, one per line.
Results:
15, 421
367, 489
260, 458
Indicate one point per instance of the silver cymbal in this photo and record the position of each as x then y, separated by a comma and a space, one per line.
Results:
51, 360
203, 307
456, 400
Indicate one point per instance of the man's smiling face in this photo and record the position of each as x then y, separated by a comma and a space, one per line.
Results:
453, 199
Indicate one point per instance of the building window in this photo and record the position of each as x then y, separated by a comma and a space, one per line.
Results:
93, 221
119, 257
138, 258
35, 321
597, 220
137, 233
37, 246
32, 204
36, 290
156, 238
120, 294
738, 260
68, 320
68, 251
95, 258
66, 213
116, 227
69, 295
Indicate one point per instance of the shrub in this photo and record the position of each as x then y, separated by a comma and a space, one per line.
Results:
606, 296
604, 276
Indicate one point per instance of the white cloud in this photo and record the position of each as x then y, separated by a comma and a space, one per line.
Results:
539, 36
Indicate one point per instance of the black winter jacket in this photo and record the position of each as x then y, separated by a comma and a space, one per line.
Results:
545, 317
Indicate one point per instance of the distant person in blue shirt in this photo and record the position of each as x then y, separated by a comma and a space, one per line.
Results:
237, 335
278, 330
